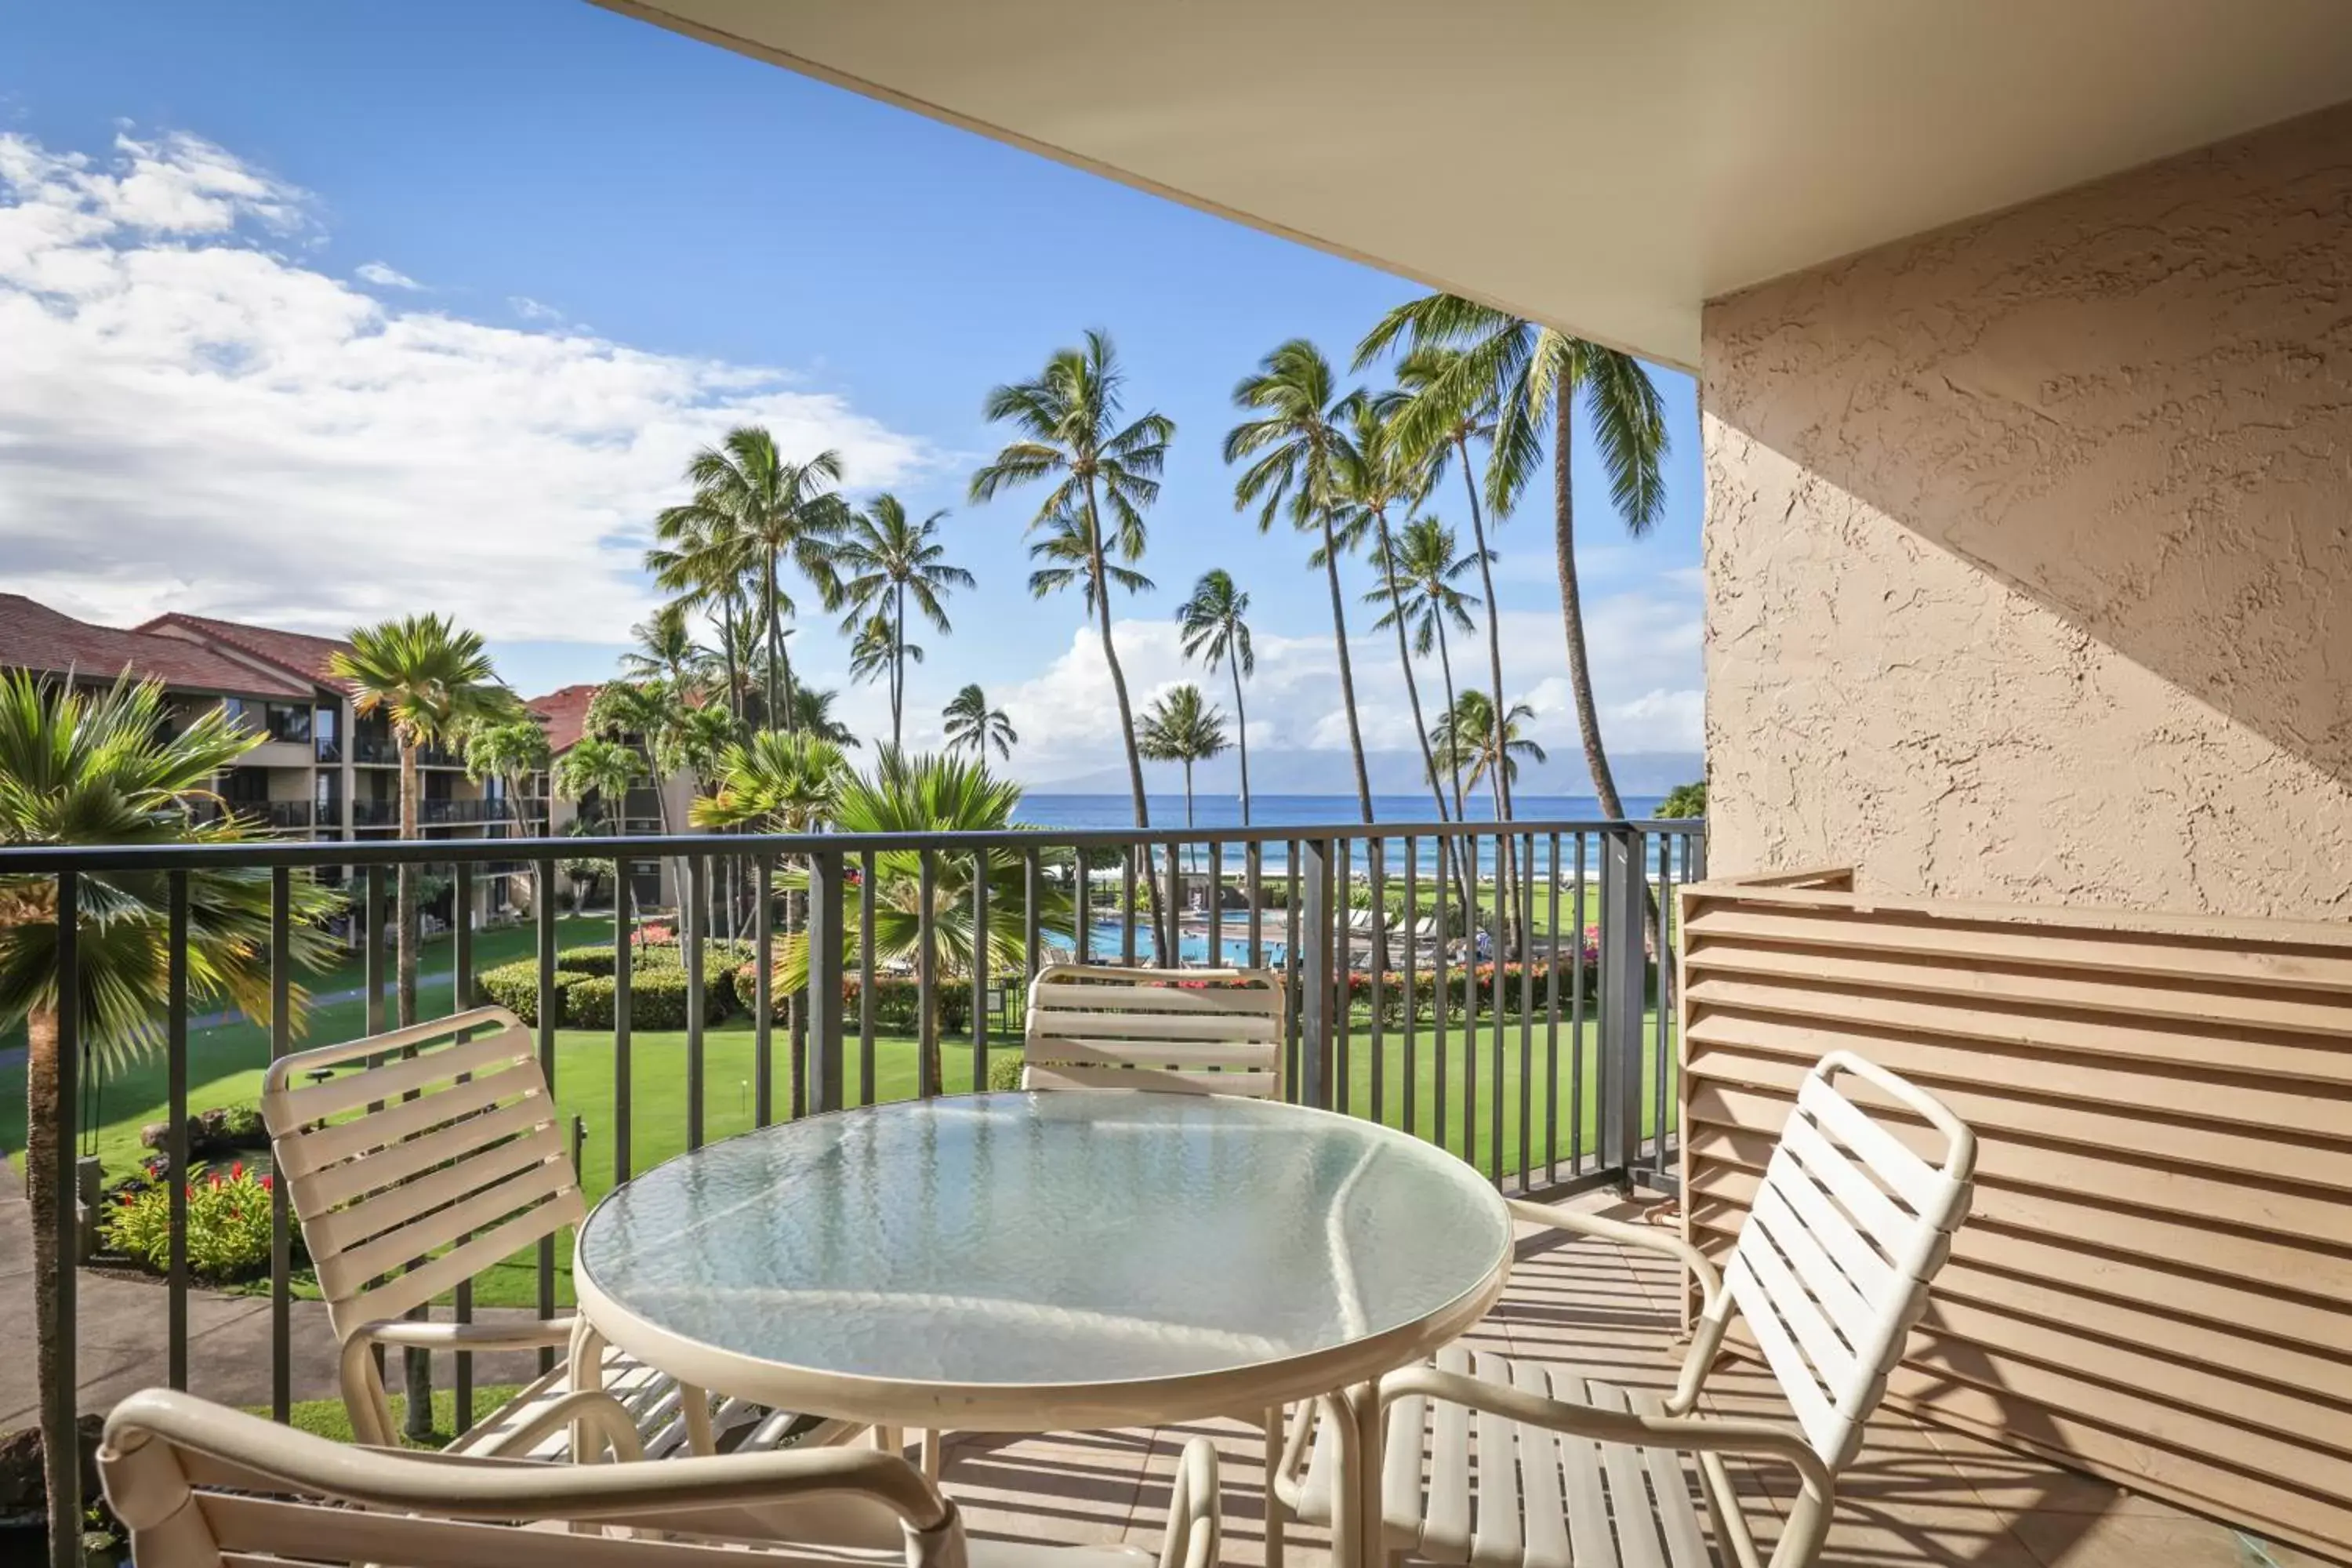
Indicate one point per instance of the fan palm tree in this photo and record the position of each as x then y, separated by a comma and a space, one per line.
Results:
84, 767
784, 510
1102, 476
919, 794
886, 559
972, 722
1215, 632
1300, 444
774, 782
434, 682
1181, 727
1532, 377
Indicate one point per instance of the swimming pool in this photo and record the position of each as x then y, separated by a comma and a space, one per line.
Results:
1104, 937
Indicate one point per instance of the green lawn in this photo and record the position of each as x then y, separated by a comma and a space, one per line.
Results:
225, 1067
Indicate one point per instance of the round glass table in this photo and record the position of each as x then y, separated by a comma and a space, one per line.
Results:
1032, 1262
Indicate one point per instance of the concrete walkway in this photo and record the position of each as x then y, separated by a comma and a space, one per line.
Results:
123, 1339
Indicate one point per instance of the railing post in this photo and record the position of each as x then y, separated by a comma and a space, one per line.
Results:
825, 909
1623, 969
1315, 956
58, 1398
690, 907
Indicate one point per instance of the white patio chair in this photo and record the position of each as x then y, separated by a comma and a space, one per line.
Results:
1192, 1031
200, 1486
418, 1159
1532, 1463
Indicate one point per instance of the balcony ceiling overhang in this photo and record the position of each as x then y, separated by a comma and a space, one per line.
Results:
1603, 167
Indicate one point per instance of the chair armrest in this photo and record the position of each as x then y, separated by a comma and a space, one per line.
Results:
1689, 1434
1648, 1237
600, 1417
464, 1487
503, 1334
1195, 1537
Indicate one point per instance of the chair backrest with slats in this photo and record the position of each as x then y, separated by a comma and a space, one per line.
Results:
418, 1158
1851, 1224
1193, 1031
200, 1486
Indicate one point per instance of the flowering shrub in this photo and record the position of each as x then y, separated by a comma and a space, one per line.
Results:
228, 1225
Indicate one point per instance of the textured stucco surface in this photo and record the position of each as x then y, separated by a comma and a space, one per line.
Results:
2029, 547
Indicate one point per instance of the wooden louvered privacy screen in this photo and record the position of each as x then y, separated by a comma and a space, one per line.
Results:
2155, 1280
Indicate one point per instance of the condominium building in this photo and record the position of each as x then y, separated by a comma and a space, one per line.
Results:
648, 810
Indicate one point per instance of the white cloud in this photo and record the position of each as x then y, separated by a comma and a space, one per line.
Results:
383, 276
1645, 649
531, 309
191, 420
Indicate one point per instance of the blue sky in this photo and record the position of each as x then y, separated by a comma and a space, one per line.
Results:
617, 233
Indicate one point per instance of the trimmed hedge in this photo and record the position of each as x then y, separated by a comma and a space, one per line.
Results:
515, 987
1004, 1069
897, 1001
656, 1001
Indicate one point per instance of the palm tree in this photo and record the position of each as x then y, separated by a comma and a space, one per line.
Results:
1067, 434
774, 782
434, 682
642, 714
602, 770
704, 557
1301, 447
782, 510
972, 722
511, 752
1467, 738
665, 648
1181, 727
1457, 414
810, 711
1418, 589
877, 652
885, 558
918, 795
1531, 375
1215, 633
96, 768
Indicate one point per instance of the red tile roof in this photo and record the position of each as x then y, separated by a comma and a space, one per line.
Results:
296, 653
565, 712
35, 637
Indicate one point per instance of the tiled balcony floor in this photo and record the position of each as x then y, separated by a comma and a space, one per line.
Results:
1918, 1495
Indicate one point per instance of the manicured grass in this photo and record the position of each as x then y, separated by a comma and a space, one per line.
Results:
328, 1418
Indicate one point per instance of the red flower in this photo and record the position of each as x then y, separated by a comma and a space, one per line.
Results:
129, 1199
216, 1180
265, 1184
236, 1171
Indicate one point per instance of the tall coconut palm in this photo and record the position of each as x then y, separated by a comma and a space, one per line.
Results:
642, 714
1533, 377
1102, 476
877, 652
1215, 632
1418, 587
664, 647
784, 512
84, 767
812, 713
886, 559
1300, 445
433, 683
1468, 737
919, 795
972, 724
702, 555
1181, 727
601, 770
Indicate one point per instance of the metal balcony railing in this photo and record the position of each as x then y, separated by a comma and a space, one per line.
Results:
1503, 991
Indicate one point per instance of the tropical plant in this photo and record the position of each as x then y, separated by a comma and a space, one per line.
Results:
877, 652
227, 1230
1418, 577
918, 795
601, 769
701, 555
1300, 444
810, 712
433, 683
664, 648
1215, 632
1685, 800
973, 725
105, 767
783, 511
1533, 377
887, 560
1067, 435
774, 782
1181, 727
513, 752
642, 715
1466, 739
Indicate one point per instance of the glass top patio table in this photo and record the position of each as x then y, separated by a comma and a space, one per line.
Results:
1022, 1261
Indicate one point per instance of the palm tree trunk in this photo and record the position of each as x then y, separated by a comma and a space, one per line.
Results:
1571, 609
1347, 668
777, 669
1241, 730
727, 642
1117, 684
899, 668
1494, 656
415, 1365
1412, 695
1465, 854
60, 1449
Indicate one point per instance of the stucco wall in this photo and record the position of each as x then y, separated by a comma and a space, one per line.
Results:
2029, 547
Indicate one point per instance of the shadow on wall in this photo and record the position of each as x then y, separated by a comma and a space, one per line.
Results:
2131, 403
